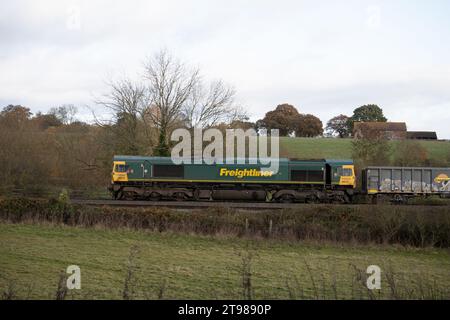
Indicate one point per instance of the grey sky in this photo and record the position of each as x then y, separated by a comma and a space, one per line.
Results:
324, 57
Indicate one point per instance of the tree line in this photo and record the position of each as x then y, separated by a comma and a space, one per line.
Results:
342, 125
290, 122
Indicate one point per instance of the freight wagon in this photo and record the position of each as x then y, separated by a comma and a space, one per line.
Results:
401, 183
158, 178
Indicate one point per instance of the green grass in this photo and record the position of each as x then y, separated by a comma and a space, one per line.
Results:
437, 149
315, 148
330, 148
194, 267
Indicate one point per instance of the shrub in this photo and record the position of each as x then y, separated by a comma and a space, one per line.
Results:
406, 225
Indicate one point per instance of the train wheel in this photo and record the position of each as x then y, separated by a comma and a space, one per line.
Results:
347, 199
154, 196
399, 199
179, 196
286, 198
128, 196
311, 199
374, 199
118, 195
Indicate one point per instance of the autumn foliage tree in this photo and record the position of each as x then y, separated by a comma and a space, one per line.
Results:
39, 152
45, 121
372, 149
282, 118
339, 126
366, 113
307, 125
288, 120
15, 116
22, 149
410, 153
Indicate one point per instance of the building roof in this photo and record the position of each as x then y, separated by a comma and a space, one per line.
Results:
381, 126
421, 135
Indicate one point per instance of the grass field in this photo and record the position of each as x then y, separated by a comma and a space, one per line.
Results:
164, 265
329, 148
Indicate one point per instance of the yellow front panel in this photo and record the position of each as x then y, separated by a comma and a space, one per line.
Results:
348, 180
119, 176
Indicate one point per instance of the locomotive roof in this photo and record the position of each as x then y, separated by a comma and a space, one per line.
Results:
168, 159
405, 168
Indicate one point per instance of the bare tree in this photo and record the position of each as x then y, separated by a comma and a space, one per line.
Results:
171, 95
128, 102
170, 84
65, 113
206, 108
179, 95
237, 114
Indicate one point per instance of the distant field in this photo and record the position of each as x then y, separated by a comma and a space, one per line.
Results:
194, 267
316, 148
330, 148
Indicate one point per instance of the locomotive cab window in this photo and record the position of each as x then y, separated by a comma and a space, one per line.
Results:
344, 172
121, 168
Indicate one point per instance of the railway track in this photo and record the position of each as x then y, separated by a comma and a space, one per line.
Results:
189, 204
207, 204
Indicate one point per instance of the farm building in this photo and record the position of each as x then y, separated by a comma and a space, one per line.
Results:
390, 130
421, 135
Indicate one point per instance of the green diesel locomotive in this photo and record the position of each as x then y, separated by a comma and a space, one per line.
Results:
158, 178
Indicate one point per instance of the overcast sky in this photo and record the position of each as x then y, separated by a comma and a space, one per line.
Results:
324, 57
